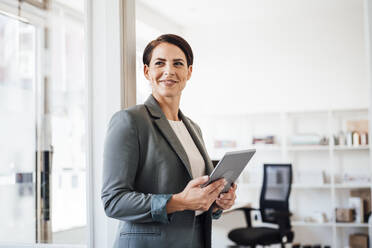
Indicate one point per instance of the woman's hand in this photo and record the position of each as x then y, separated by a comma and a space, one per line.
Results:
193, 197
226, 200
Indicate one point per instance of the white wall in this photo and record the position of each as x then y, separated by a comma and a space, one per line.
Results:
310, 58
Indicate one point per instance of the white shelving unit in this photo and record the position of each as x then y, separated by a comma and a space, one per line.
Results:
310, 197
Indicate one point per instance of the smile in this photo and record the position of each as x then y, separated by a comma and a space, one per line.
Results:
168, 82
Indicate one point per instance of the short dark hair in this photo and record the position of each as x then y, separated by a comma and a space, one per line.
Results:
172, 39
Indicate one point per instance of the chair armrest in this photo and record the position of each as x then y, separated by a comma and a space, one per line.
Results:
247, 214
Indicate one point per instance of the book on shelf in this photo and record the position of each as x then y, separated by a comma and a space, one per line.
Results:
356, 203
365, 196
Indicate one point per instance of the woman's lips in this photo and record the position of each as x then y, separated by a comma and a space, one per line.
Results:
168, 82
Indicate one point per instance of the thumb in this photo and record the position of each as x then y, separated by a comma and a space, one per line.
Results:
198, 181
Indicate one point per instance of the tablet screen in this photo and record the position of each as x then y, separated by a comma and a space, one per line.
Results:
230, 167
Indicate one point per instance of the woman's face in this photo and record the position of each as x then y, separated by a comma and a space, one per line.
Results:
168, 70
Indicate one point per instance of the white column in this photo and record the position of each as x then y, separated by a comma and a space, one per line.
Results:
104, 76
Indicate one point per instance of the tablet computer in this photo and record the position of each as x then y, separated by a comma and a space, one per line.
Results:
230, 167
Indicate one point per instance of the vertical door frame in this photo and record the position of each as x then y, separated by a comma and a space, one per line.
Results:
111, 61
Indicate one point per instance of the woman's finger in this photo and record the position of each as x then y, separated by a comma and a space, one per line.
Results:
221, 205
224, 206
226, 202
228, 195
215, 186
235, 186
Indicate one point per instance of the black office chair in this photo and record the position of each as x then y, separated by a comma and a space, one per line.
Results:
274, 209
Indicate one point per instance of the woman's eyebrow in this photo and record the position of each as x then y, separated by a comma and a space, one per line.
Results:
175, 60
178, 60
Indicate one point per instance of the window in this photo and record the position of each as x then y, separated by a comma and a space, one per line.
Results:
43, 112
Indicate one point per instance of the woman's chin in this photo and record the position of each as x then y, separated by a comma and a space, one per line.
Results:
168, 93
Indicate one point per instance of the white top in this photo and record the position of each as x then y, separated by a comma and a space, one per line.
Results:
195, 158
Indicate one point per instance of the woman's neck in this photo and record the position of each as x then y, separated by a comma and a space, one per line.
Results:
169, 105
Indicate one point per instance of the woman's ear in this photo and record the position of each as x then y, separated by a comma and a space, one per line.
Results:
146, 72
189, 72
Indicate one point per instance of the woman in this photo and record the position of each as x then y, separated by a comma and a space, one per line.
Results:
155, 161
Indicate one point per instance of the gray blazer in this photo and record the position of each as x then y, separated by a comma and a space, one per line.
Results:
143, 162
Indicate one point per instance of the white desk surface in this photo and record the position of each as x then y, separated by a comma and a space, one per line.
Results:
236, 206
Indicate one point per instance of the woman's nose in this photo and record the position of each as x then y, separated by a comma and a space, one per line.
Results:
168, 70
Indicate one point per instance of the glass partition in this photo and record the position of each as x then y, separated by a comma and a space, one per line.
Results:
17, 131
43, 136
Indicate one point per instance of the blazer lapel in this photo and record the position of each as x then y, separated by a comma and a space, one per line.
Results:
162, 123
198, 142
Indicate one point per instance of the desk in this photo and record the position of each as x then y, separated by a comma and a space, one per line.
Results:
236, 206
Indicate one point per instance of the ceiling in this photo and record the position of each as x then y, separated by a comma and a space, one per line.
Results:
195, 12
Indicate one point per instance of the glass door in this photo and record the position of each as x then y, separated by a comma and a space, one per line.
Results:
17, 131
43, 136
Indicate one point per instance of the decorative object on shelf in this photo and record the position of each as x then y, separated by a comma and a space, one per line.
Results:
266, 140
365, 196
356, 203
345, 215
358, 240
224, 144
349, 138
320, 217
317, 217
340, 139
357, 132
308, 139
364, 139
356, 178
356, 139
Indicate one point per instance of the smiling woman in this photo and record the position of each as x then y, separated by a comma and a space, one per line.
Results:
168, 67
155, 161
168, 71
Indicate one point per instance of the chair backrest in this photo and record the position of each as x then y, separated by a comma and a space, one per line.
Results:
275, 191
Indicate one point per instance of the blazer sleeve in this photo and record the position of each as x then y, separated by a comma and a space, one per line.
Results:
120, 164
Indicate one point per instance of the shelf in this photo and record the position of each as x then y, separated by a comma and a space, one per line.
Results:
350, 148
352, 186
328, 224
306, 186
352, 225
303, 223
308, 148
334, 163
267, 147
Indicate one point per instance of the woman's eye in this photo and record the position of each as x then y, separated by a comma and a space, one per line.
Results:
178, 63
158, 63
